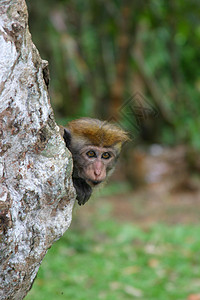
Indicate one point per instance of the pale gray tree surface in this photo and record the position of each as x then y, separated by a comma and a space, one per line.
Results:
36, 191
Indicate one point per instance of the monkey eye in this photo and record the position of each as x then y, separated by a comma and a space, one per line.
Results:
106, 155
91, 154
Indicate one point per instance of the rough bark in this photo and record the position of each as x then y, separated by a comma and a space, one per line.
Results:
36, 191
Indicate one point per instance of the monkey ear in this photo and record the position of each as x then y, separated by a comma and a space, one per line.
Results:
67, 137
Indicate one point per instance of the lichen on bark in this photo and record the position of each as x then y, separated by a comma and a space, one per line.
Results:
36, 191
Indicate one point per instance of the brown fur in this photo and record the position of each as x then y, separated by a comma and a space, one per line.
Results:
99, 133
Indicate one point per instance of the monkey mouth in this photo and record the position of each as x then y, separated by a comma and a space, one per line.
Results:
95, 182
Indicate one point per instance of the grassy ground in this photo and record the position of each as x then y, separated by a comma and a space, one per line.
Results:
101, 257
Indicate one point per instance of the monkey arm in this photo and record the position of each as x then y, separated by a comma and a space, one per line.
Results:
83, 190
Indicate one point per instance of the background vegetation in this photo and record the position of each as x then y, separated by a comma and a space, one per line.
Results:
114, 261
101, 53
136, 63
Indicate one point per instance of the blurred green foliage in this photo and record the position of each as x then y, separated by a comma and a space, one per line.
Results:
115, 261
102, 52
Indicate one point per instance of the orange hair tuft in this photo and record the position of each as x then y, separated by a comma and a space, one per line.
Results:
99, 133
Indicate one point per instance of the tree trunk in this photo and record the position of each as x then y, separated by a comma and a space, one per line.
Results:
36, 191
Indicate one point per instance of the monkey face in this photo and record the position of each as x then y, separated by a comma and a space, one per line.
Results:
95, 164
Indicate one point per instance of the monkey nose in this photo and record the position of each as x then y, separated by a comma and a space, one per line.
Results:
97, 172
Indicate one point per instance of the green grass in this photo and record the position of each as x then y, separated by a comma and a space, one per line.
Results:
115, 261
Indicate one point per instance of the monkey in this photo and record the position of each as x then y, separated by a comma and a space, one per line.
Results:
95, 146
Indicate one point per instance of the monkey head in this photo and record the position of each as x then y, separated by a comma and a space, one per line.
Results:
95, 146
